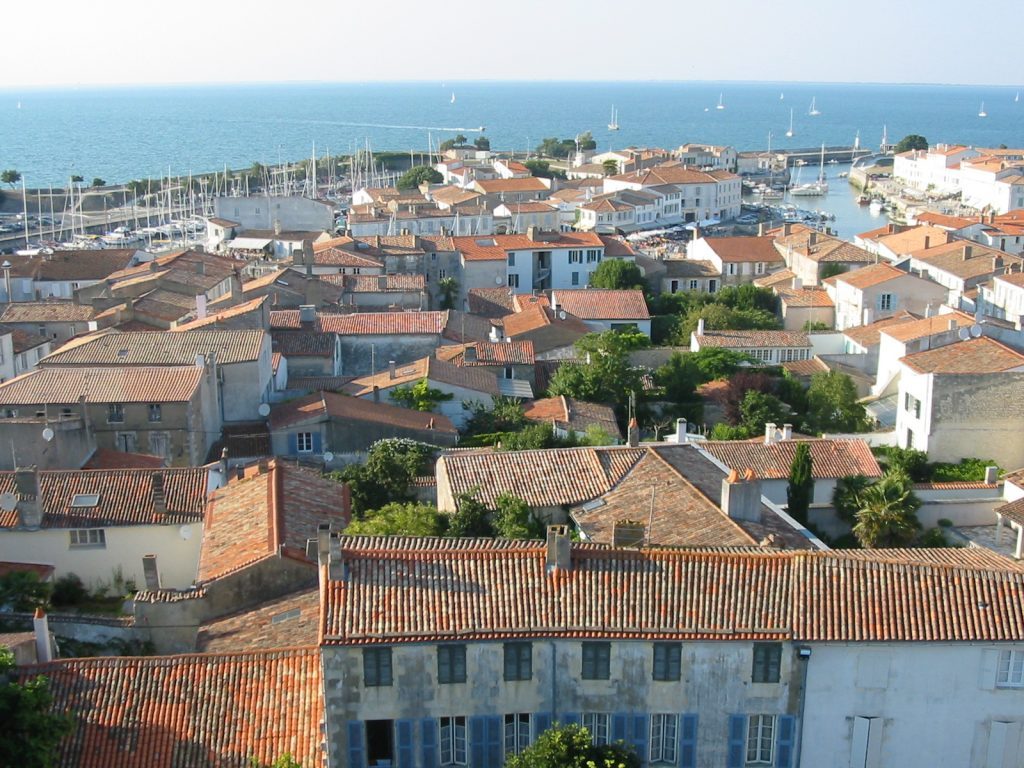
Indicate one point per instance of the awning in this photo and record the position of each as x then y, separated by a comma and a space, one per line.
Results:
515, 388
248, 243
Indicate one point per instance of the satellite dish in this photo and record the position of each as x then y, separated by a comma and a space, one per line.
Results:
8, 502
263, 410
48, 434
185, 532
498, 280
964, 334
975, 331
328, 457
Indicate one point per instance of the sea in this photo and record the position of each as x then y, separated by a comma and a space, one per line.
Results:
125, 133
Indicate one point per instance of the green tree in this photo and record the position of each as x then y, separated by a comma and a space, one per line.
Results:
284, 761
911, 141
831, 269
10, 177
542, 170
800, 490
760, 408
31, 732
76, 179
514, 520
717, 363
504, 415
569, 746
449, 288
528, 438
417, 175
617, 274
400, 519
679, 378
471, 518
832, 404
460, 140
607, 375
98, 182
136, 187
611, 167
586, 141
420, 396
482, 143
908, 461
23, 591
390, 466
846, 496
888, 513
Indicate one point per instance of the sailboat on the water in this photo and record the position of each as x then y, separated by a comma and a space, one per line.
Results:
813, 111
721, 104
453, 97
613, 125
982, 112
814, 188
789, 133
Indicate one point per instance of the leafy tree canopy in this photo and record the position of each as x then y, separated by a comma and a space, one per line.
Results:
542, 169
98, 182
514, 520
618, 274
31, 732
400, 519
420, 396
23, 591
800, 489
384, 478
832, 404
10, 176
607, 376
482, 143
417, 175
887, 516
569, 747
911, 141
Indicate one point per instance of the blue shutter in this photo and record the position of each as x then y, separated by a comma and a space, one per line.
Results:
355, 744
619, 726
737, 740
428, 740
478, 741
403, 737
570, 718
541, 722
641, 734
293, 443
687, 741
316, 442
784, 741
495, 742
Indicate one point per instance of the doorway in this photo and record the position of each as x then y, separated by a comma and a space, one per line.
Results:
380, 742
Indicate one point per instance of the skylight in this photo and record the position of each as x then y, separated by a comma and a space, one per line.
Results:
85, 500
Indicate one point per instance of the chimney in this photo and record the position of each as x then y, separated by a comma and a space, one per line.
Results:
928, 310
531, 233
376, 393
633, 433
469, 354
495, 334
760, 229
787, 229
951, 324
335, 560
891, 229
307, 314
391, 369
787, 431
927, 241
200, 306
559, 548
41, 625
156, 481
769, 433
797, 283
382, 282
680, 431
628, 533
968, 252
200, 267
223, 465
812, 239
700, 326
200, 360
741, 497
151, 573
991, 475
323, 543
29, 503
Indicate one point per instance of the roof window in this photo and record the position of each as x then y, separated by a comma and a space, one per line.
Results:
85, 500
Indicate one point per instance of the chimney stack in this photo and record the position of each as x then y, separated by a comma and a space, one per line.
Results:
323, 543
376, 393
469, 354
812, 239
159, 499
307, 314
41, 626
700, 326
787, 229
680, 431
787, 431
952, 324
741, 497
769, 433
968, 252
29, 503
335, 560
991, 475
633, 433
628, 533
200, 306
151, 573
559, 548
927, 241
391, 369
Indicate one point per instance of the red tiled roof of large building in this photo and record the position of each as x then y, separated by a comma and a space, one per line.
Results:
542, 478
667, 173
806, 296
974, 356
71, 265
496, 247
617, 247
757, 339
342, 257
829, 458
167, 348
272, 511
198, 709
576, 415
382, 283
354, 409
822, 249
510, 352
942, 220
88, 498
139, 384
432, 369
366, 323
622, 593
490, 302
744, 249
967, 260
914, 238
248, 314
284, 622
869, 335
600, 304
782, 277
47, 312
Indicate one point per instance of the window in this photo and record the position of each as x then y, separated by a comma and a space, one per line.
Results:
693, 285
511, 259
667, 658
732, 268
513, 281
518, 661
760, 739
575, 257
304, 440
596, 661
453, 741
155, 412
597, 724
442, 274
115, 413
767, 659
1010, 669
451, 664
88, 537
759, 268
509, 372
376, 667
593, 256
885, 301
575, 278
664, 738
517, 733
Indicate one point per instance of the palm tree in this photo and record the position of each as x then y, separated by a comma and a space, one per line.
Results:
846, 496
887, 516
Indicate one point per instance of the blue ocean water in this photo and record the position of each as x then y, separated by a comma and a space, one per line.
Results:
125, 133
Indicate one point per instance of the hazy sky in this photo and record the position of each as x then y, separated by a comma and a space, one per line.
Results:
69, 42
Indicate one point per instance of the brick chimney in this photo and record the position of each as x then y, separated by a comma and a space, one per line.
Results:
741, 496
968, 252
156, 482
29, 503
559, 548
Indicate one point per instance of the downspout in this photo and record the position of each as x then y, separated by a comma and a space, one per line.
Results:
805, 657
554, 686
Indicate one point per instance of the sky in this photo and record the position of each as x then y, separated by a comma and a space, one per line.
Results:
128, 42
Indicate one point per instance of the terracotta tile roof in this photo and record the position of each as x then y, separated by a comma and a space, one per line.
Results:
497, 186
955, 485
317, 383
271, 512
981, 355
71, 265
488, 353
366, 323
826, 249
303, 343
806, 296
806, 367
224, 222
967, 260
285, 622
495, 247
340, 257
199, 709
535, 317
829, 458
599, 304
622, 593
542, 478
1012, 278
781, 277
47, 312
383, 283
454, 195
943, 221
104, 458
103, 385
164, 304
577, 415
437, 371
617, 248
869, 335
667, 173
490, 302
193, 269
744, 249
867, 277
162, 348
321, 405
926, 326
914, 239
535, 206
683, 268
754, 339
42, 570
1013, 511
125, 497
247, 315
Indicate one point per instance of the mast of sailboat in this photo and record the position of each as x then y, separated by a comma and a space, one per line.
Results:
24, 209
